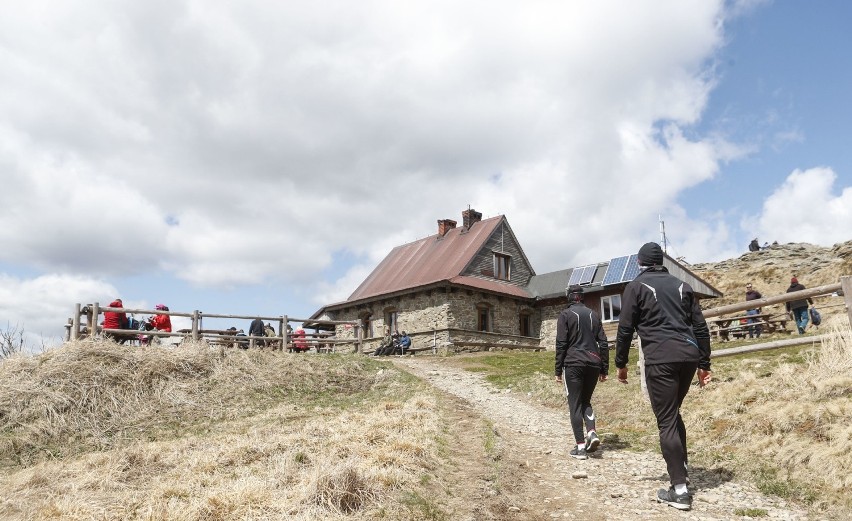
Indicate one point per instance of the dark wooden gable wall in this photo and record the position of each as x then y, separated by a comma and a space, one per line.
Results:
502, 240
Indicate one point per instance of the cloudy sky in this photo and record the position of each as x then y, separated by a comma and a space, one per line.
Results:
263, 157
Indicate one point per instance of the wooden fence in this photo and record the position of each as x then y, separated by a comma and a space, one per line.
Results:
844, 286
76, 328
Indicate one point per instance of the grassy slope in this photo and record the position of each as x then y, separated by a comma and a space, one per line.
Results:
100, 431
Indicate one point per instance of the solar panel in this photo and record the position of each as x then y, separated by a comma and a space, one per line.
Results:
575, 276
588, 274
615, 270
632, 269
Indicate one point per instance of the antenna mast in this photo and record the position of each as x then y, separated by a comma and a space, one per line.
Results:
663, 233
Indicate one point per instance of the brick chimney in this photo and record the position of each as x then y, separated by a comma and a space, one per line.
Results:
445, 225
470, 217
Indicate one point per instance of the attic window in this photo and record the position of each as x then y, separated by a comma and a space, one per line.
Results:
502, 264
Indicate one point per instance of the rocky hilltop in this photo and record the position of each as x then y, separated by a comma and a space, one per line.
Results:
770, 271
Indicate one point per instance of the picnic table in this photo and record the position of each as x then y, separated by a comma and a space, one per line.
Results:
737, 326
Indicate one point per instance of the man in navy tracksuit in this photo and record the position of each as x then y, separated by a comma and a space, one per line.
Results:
582, 359
675, 342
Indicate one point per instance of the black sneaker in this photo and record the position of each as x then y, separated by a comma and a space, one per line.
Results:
578, 453
680, 502
592, 442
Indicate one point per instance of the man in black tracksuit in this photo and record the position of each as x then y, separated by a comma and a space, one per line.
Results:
675, 342
582, 356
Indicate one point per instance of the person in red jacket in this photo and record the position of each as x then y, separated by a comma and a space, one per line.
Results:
115, 320
161, 321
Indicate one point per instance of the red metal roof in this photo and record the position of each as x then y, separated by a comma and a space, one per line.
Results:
434, 259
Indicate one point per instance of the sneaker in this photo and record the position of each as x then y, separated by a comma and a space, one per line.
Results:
680, 502
592, 442
579, 453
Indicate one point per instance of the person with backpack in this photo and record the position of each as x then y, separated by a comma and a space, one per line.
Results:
798, 309
582, 360
675, 342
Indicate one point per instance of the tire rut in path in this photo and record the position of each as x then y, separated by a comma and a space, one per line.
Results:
619, 484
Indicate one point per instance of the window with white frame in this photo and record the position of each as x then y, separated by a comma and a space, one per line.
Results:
610, 308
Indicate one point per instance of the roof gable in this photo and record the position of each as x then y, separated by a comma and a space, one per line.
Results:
427, 261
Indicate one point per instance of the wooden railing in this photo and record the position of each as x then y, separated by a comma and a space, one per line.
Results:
76, 329
844, 286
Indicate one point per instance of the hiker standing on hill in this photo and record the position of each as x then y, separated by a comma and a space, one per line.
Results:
799, 308
582, 359
675, 342
753, 294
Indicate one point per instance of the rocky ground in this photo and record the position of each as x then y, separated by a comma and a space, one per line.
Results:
542, 482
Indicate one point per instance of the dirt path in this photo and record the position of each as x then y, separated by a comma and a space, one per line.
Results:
540, 481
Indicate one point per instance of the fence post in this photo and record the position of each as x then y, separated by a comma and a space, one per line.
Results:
93, 330
284, 324
75, 323
68, 327
195, 315
846, 286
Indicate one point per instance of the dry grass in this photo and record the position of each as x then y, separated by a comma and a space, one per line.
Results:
796, 417
98, 431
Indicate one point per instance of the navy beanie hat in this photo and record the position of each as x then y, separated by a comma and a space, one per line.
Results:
650, 254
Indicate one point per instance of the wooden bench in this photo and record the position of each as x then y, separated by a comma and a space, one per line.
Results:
723, 329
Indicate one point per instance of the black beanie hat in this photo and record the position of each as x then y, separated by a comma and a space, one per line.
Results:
650, 254
574, 290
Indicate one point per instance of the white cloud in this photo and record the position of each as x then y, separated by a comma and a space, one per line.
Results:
232, 145
806, 208
41, 306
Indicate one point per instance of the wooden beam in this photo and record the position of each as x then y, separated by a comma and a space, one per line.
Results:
768, 345
778, 299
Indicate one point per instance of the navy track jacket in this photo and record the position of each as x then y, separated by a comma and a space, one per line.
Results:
580, 340
665, 312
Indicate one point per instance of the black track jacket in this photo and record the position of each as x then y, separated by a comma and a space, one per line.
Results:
580, 340
665, 311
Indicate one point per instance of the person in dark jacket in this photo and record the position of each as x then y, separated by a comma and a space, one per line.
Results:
799, 308
256, 328
582, 359
755, 329
675, 342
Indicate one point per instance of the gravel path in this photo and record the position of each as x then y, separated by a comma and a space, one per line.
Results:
612, 484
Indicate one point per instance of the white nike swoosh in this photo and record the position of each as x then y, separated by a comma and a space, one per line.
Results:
591, 418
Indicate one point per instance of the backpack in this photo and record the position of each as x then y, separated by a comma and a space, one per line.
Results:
816, 319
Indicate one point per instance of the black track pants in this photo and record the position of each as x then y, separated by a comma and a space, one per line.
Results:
667, 387
579, 385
